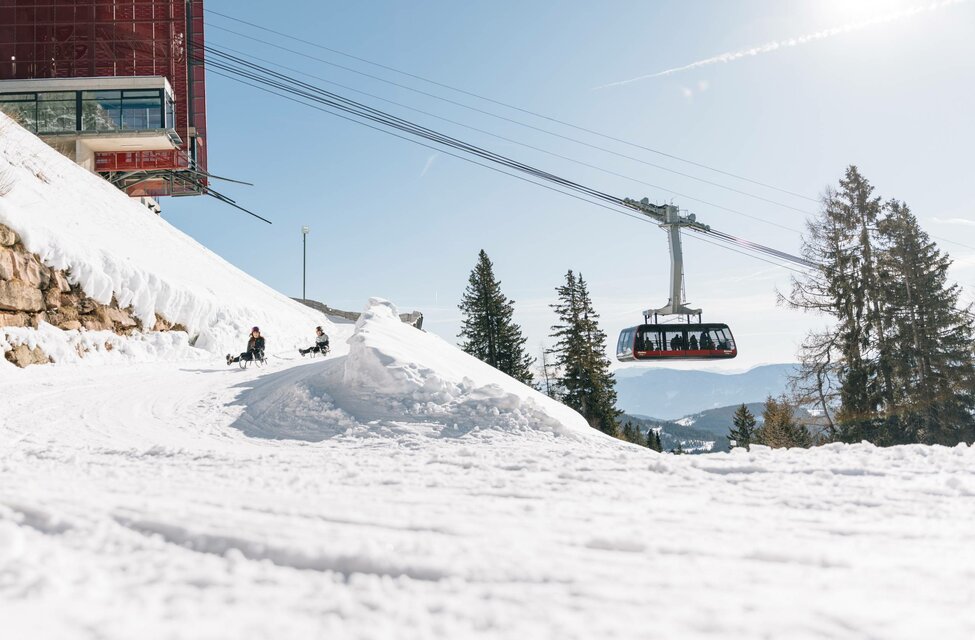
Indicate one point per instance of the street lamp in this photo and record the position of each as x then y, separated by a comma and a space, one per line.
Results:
304, 259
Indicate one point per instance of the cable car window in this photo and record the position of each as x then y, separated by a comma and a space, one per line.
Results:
675, 341
647, 340
625, 344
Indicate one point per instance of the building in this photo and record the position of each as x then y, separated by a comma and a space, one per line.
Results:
116, 85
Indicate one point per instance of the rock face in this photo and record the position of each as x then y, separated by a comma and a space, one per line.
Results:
22, 356
31, 293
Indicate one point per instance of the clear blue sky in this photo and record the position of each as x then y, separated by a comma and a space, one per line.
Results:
396, 220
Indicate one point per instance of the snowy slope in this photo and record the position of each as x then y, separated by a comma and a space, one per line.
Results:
114, 246
400, 491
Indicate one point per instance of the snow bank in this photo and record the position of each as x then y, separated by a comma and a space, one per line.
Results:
112, 245
100, 347
418, 375
399, 383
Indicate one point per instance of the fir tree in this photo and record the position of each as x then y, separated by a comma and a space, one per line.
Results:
896, 365
779, 426
933, 372
849, 364
585, 382
627, 433
744, 427
653, 440
489, 331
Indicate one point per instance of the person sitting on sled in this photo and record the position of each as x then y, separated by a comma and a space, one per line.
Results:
255, 348
321, 344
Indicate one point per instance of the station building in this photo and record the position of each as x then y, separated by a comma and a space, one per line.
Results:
118, 86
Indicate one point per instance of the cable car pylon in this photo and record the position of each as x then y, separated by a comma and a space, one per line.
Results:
674, 341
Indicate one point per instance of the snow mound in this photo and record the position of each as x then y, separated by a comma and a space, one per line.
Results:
422, 376
113, 246
399, 381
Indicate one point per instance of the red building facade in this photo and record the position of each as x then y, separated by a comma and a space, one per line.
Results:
88, 39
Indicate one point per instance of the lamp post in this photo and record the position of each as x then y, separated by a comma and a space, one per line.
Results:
304, 259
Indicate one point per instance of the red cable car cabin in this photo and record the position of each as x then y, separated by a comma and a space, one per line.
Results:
708, 341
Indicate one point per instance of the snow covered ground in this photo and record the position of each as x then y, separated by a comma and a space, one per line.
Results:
398, 490
401, 489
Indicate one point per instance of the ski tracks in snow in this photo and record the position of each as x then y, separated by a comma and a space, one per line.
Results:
161, 501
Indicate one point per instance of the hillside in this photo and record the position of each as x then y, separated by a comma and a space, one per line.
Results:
670, 394
115, 252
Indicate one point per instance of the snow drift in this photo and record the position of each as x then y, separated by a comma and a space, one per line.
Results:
395, 375
113, 246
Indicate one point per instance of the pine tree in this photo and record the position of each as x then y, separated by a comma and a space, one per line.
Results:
744, 427
585, 382
489, 331
933, 371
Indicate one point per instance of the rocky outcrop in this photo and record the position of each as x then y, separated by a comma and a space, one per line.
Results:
22, 356
32, 293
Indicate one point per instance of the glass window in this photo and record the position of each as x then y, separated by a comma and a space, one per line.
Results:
141, 113
56, 96
625, 344
141, 93
675, 341
56, 116
721, 339
101, 113
648, 340
101, 95
18, 97
24, 112
170, 113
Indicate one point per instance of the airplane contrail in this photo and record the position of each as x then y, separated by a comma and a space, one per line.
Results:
775, 45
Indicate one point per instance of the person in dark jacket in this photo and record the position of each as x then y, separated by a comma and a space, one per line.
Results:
255, 348
320, 346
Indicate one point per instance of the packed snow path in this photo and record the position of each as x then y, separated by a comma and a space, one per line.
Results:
139, 501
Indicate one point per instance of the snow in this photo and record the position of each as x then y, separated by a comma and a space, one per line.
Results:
401, 489
115, 246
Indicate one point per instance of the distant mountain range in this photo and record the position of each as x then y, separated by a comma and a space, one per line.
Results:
703, 432
669, 394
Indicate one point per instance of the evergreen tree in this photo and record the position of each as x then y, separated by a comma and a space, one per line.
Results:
653, 441
779, 426
744, 427
489, 331
585, 382
896, 365
850, 363
679, 449
631, 433
934, 372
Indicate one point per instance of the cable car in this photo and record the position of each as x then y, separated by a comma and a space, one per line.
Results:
693, 341
678, 340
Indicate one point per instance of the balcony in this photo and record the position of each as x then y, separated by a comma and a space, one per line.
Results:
116, 114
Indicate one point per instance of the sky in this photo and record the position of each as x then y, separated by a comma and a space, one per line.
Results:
786, 93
